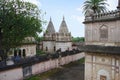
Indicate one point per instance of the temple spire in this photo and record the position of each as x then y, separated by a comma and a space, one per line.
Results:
118, 7
50, 19
50, 27
63, 18
63, 27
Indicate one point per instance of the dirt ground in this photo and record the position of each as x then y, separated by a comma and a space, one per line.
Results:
74, 71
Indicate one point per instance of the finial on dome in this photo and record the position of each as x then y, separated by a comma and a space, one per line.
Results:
50, 18
63, 18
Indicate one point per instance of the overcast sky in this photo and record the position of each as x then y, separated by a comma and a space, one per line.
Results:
70, 9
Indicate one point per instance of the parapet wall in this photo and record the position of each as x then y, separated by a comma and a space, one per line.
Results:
107, 16
24, 70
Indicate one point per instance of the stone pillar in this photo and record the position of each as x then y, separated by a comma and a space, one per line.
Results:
113, 69
94, 69
89, 66
117, 70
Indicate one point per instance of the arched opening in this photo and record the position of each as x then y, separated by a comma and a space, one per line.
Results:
24, 53
103, 33
15, 53
54, 48
103, 75
19, 53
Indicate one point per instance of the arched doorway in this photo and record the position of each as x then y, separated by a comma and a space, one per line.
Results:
103, 75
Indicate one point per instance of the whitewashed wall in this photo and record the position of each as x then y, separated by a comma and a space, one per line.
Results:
30, 49
17, 73
50, 45
12, 74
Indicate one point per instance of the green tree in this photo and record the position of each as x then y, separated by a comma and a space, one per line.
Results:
97, 6
39, 39
78, 39
18, 19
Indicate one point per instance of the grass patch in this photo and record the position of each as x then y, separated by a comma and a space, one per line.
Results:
39, 52
34, 78
81, 61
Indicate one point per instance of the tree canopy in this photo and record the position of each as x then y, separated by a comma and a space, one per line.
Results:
97, 6
39, 38
78, 39
18, 19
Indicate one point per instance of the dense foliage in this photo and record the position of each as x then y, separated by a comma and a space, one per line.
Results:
97, 6
18, 19
78, 39
39, 39
40, 52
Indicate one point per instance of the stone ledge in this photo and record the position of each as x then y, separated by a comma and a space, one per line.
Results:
101, 49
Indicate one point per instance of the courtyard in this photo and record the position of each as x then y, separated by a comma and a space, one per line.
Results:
71, 71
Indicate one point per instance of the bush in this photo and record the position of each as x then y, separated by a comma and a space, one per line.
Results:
82, 60
39, 52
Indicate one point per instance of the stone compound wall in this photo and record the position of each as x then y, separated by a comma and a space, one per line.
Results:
12, 74
102, 67
21, 72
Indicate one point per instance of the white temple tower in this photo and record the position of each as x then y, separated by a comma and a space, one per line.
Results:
57, 40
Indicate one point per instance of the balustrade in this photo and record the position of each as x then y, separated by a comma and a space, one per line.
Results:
104, 16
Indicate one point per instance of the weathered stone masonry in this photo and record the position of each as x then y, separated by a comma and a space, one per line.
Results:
102, 46
54, 41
